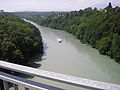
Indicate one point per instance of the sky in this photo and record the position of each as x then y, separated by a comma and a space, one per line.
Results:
52, 5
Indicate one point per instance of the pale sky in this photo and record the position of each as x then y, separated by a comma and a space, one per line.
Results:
52, 5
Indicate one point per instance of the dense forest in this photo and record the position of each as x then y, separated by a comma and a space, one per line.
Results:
19, 40
98, 28
34, 14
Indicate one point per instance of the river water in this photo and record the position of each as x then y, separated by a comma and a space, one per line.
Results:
71, 57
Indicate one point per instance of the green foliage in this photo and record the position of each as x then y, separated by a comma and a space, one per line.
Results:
100, 29
19, 40
104, 45
109, 6
115, 48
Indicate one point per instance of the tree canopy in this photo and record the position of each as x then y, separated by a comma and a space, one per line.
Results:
19, 40
100, 29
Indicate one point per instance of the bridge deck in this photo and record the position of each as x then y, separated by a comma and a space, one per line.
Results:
26, 83
72, 80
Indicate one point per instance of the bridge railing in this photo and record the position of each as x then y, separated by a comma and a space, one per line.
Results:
62, 78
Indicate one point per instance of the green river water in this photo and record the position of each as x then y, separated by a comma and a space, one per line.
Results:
71, 57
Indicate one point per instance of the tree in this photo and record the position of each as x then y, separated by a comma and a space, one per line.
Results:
99, 29
19, 40
95, 9
115, 49
104, 45
109, 6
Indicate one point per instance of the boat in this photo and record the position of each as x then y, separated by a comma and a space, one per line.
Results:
59, 40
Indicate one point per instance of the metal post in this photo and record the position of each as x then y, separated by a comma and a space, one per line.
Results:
6, 87
15, 87
26, 88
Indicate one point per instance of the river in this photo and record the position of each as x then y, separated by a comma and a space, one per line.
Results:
71, 57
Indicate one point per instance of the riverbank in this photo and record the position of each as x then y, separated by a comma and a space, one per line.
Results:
19, 41
99, 29
73, 58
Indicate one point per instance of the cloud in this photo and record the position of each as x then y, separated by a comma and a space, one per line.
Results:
52, 5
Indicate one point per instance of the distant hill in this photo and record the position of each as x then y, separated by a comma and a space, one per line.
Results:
27, 14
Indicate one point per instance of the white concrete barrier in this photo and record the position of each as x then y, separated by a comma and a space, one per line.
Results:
71, 80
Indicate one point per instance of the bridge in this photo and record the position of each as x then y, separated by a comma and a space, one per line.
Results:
57, 77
